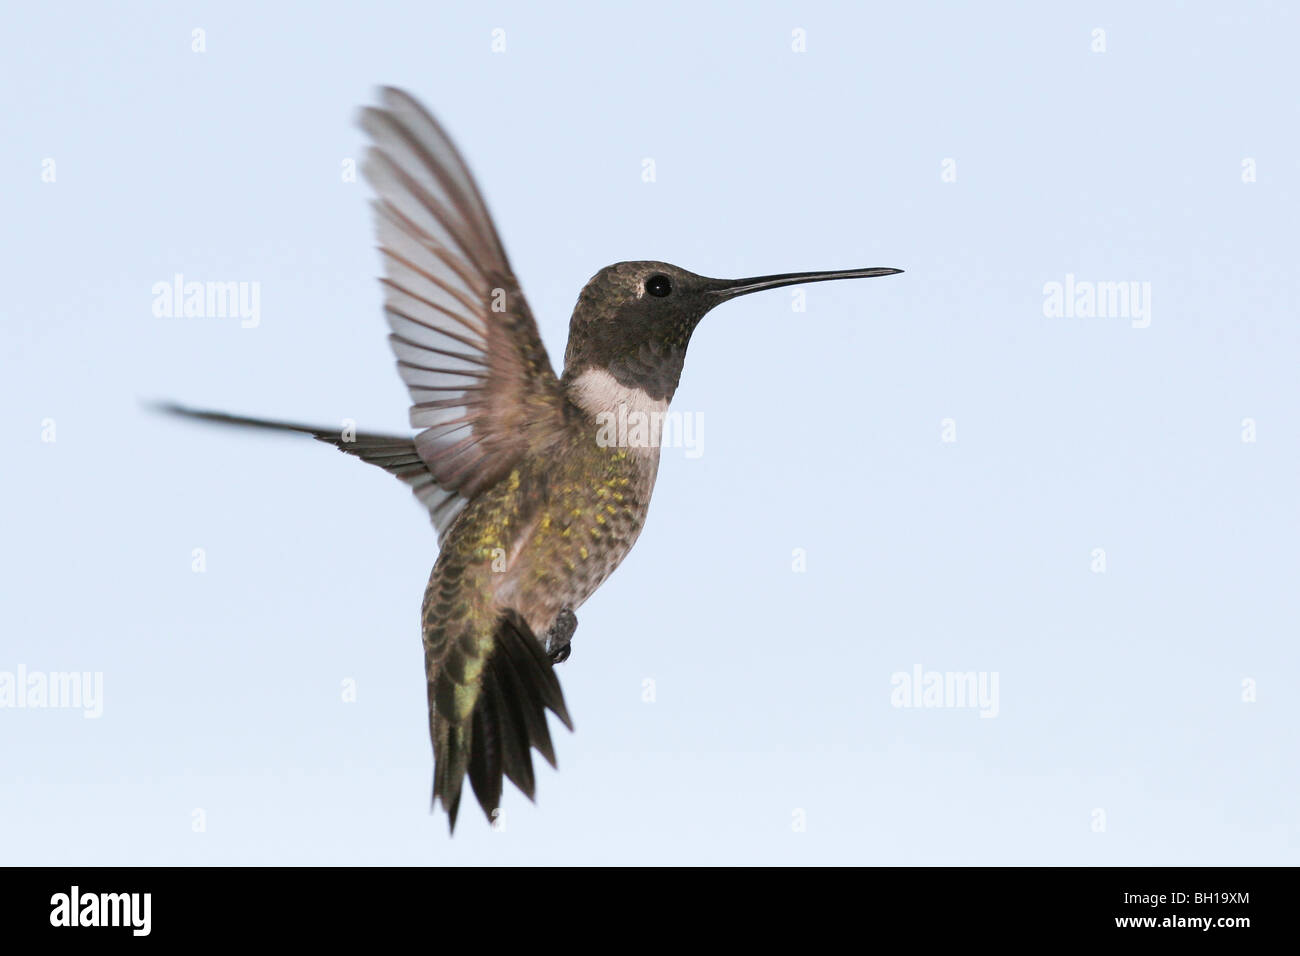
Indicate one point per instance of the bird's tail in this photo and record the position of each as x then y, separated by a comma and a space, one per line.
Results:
487, 708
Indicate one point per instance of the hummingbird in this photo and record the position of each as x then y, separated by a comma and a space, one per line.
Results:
533, 505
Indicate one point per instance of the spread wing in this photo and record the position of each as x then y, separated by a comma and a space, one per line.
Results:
393, 453
467, 346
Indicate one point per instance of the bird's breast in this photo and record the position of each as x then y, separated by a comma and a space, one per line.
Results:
589, 505
620, 416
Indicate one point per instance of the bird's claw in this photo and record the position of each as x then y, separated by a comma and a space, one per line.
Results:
559, 638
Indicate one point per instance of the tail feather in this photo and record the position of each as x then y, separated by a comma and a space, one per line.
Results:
485, 762
516, 755
511, 695
448, 774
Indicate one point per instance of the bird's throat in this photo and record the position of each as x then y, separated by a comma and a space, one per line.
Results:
597, 392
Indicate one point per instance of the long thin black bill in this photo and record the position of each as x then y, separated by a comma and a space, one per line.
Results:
759, 283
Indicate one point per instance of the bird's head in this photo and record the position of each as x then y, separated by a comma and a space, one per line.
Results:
634, 320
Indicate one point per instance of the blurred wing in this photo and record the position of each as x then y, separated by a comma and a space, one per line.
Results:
393, 453
481, 384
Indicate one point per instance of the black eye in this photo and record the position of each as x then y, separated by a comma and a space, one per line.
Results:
659, 285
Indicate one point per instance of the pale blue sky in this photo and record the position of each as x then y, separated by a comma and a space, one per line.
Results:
1118, 691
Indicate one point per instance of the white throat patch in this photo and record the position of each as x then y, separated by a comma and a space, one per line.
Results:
596, 391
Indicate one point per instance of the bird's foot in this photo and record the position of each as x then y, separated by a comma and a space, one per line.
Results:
559, 638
